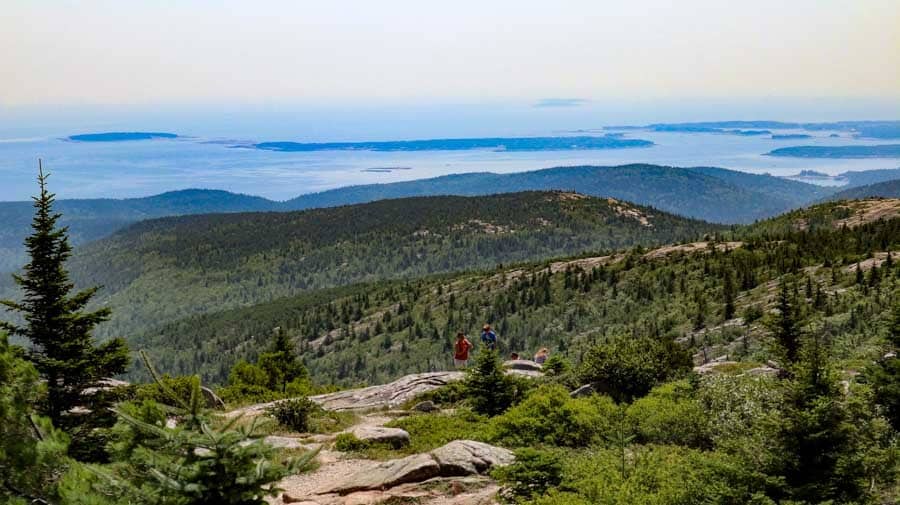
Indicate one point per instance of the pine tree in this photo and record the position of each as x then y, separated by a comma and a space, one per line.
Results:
488, 388
786, 327
728, 294
281, 363
56, 322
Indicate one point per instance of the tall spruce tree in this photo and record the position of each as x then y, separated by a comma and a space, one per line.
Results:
786, 327
728, 295
56, 321
281, 363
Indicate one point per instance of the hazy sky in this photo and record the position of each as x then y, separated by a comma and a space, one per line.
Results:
339, 51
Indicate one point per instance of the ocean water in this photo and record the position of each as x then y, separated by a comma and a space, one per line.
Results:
141, 168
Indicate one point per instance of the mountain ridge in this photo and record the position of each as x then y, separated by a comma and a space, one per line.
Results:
712, 194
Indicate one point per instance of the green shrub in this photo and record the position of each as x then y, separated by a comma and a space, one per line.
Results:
550, 416
429, 431
661, 475
347, 442
669, 415
532, 474
243, 394
629, 367
294, 413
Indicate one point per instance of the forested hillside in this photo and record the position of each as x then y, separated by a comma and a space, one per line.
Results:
829, 215
713, 194
163, 269
887, 189
713, 297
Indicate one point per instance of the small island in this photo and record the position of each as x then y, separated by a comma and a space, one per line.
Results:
839, 152
120, 136
790, 136
384, 169
495, 144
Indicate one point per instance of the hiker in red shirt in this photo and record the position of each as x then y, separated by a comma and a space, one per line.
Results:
461, 350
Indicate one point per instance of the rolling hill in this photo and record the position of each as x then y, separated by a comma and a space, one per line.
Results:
377, 331
712, 194
166, 268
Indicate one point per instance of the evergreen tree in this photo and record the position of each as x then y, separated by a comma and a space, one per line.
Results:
728, 294
786, 328
489, 390
281, 363
56, 322
817, 433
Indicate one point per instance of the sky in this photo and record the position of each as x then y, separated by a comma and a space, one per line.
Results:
560, 54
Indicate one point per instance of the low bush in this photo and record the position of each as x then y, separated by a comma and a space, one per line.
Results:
429, 431
294, 413
532, 474
347, 442
550, 416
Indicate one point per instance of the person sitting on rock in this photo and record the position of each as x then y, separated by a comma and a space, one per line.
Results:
541, 356
514, 356
489, 338
461, 350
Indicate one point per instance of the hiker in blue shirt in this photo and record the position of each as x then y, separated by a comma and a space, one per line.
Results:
489, 338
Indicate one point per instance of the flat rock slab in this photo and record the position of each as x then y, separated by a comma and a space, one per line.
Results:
391, 473
385, 396
467, 457
456, 459
381, 435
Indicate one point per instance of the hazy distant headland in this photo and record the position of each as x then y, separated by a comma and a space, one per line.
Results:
120, 136
843, 152
494, 143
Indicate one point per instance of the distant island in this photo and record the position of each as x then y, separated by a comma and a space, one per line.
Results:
846, 152
790, 136
120, 136
497, 144
384, 169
